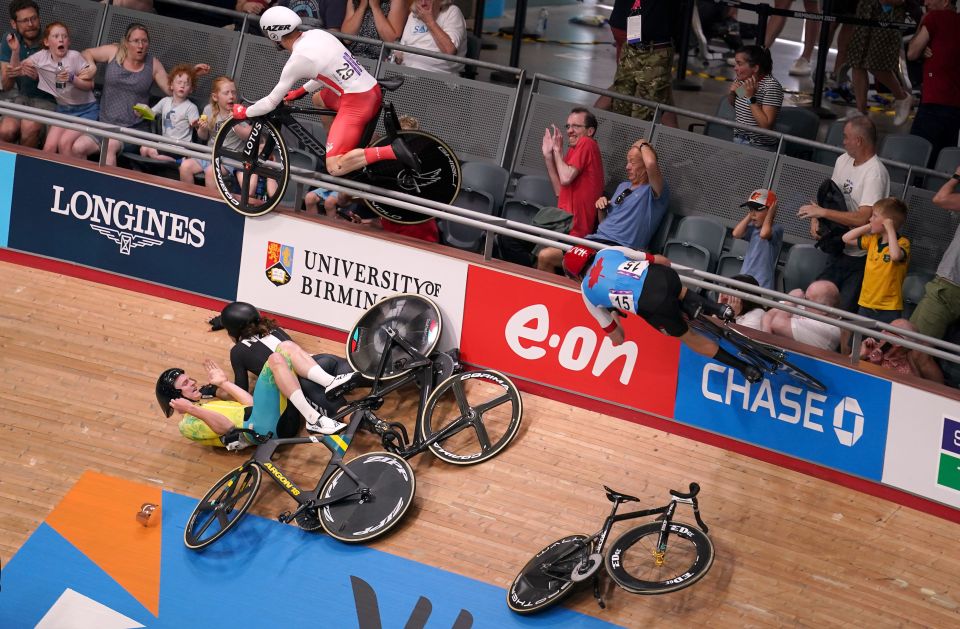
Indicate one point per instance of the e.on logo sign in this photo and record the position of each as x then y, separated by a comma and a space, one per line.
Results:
543, 333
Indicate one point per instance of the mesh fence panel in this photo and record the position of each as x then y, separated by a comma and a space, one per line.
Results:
929, 228
796, 183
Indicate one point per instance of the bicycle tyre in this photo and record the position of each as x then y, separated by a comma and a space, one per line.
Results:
478, 419
220, 502
276, 149
799, 374
534, 589
439, 178
695, 551
776, 357
392, 486
417, 320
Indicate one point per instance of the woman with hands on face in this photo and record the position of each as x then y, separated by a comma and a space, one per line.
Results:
436, 25
383, 20
756, 96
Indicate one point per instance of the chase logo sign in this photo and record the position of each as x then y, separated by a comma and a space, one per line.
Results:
844, 428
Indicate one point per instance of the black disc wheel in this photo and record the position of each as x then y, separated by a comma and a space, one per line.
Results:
637, 564
222, 507
413, 318
471, 417
546, 579
360, 513
251, 170
438, 179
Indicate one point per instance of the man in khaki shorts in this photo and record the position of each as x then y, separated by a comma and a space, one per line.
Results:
644, 70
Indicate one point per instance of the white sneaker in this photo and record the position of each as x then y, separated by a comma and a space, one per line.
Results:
800, 67
342, 383
325, 426
903, 108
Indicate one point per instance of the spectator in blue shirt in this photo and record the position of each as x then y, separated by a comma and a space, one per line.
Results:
638, 205
764, 237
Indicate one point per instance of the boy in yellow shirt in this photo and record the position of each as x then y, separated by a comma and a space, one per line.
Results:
888, 254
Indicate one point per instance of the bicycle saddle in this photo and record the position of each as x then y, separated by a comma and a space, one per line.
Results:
614, 496
390, 84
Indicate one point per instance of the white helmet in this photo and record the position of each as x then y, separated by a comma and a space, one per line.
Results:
279, 21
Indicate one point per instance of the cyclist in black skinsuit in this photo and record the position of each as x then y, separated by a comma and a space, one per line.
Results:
256, 338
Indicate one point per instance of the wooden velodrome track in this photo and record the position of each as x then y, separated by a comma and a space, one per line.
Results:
79, 362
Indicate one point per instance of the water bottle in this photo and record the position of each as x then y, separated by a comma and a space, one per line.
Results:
542, 22
60, 84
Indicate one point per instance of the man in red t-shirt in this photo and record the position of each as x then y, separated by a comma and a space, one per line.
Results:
577, 178
938, 42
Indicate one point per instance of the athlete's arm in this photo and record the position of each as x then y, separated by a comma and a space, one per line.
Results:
215, 421
296, 68
635, 254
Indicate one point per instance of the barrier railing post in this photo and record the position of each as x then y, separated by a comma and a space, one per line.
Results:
823, 50
763, 12
683, 49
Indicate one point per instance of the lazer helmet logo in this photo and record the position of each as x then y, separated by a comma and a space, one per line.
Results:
272, 28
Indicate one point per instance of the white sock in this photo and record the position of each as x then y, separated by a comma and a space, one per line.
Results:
318, 375
309, 413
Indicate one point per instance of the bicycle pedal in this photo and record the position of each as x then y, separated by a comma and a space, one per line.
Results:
285, 517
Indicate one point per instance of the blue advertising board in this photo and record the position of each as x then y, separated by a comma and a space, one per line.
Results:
8, 162
127, 227
844, 428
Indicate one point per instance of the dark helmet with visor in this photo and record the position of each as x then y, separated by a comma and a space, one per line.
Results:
237, 315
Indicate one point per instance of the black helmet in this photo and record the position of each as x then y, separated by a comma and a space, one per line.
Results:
237, 315
167, 389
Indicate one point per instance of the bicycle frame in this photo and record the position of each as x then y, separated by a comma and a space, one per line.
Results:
338, 446
421, 372
283, 117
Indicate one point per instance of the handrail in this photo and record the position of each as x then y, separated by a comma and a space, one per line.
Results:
700, 279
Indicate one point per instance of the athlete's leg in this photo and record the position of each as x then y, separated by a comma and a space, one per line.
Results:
281, 372
692, 303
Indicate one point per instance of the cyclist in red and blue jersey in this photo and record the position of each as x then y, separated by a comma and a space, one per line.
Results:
617, 281
347, 88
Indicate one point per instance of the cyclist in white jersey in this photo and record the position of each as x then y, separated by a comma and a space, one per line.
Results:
347, 88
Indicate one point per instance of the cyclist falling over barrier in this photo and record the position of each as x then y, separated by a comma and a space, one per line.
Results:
347, 88
617, 280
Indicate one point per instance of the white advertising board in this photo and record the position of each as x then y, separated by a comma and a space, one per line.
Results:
923, 445
330, 277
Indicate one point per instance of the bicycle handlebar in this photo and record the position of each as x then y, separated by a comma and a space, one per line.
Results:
694, 490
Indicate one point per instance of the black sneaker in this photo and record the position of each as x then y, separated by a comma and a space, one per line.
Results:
752, 374
405, 156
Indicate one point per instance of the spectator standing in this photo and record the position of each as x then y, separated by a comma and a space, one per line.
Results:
940, 306
864, 180
897, 358
178, 114
888, 254
26, 38
877, 50
577, 178
811, 31
436, 25
749, 314
639, 203
765, 238
938, 42
377, 19
57, 68
804, 329
131, 72
756, 96
644, 68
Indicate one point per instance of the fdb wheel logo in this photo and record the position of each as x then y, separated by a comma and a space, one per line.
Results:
848, 421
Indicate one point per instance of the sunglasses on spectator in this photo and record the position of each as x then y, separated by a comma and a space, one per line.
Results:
623, 195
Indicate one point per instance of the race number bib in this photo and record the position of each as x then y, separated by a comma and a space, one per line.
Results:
622, 300
633, 29
633, 268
